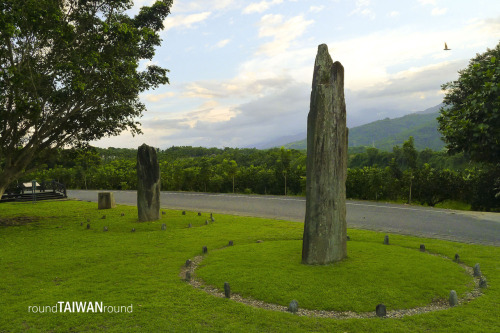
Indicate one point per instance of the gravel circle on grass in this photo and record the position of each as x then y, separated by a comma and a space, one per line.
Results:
437, 305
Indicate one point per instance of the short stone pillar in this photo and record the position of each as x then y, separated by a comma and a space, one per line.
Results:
293, 307
148, 184
105, 200
453, 300
227, 290
381, 310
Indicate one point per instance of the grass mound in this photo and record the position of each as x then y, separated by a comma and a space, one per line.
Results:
373, 273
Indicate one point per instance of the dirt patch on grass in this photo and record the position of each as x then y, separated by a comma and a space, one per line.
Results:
17, 220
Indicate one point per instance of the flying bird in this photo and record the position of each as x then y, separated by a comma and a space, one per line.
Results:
446, 47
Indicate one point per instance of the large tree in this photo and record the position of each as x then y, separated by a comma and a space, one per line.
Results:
470, 120
69, 74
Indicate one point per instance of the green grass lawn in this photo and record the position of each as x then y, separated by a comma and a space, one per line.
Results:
52, 258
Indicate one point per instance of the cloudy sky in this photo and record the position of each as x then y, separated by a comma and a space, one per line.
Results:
241, 71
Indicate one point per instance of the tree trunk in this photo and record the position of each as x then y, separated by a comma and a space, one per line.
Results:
325, 231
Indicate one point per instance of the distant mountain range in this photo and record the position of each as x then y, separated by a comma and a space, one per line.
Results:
387, 133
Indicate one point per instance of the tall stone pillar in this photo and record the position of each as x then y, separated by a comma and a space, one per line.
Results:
148, 184
325, 222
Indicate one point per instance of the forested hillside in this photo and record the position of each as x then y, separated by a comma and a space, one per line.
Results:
387, 133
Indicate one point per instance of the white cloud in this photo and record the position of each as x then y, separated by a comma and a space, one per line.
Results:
427, 2
316, 9
394, 13
201, 5
362, 9
259, 7
185, 21
222, 43
283, 33
158, 97
438, 11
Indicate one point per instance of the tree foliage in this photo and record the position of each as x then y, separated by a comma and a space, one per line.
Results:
69, 74
470, 121
372, 175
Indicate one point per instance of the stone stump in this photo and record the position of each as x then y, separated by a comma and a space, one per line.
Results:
148, 184
325, 234
105, 200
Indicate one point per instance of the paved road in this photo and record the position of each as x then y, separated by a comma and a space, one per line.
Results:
468, 227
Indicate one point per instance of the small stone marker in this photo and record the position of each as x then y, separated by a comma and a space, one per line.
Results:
422, 248
123, 214
163, 226
163, 212
188, 276
381, 310
212, 219
231, 243
188, 262
205, 249
293, 307
259, 241
133, 230
453, 298
103, 217
348, 238
199, 214
88, 220
105, 200
482, 282
81, 223
88, 226
190, 225
183, 212
206, 222
457, 258
386, 240
227, 290
477, 270
105, 228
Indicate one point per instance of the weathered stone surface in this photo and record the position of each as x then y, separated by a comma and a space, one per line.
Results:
163, 226
422, 247
386, 240
183, 212
188, 276
188, 262
482, 282
227, 290
105, 200
381, 310
325, 235
477, 270
148, 184
88, 226
293, 307
348, 238
457, 258
105, 229
231, 243
123, 214
205, 249
199, 214
453, 298
163, 212
133, 230
190, 225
